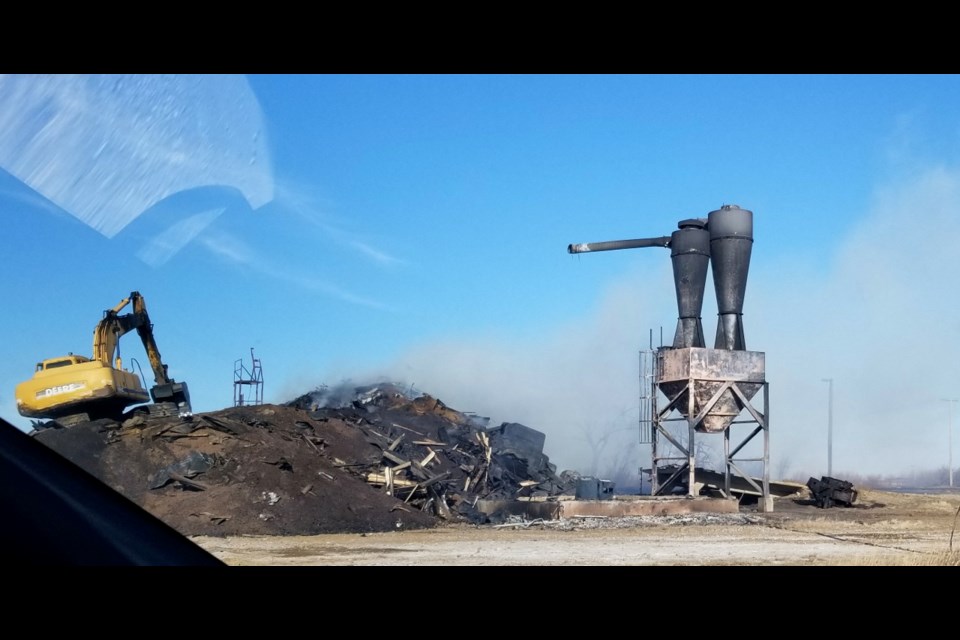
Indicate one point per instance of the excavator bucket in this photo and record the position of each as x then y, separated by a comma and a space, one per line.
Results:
174, 393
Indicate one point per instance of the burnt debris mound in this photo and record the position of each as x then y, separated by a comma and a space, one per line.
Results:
364, 459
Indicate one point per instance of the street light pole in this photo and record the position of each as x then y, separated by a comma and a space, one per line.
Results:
829, 427
949, 438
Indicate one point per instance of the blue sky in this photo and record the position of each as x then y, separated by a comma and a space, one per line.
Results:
414, 228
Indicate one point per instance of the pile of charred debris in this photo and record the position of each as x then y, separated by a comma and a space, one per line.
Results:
437, 458
373, 458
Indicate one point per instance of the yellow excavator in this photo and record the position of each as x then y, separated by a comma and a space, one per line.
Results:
72, 389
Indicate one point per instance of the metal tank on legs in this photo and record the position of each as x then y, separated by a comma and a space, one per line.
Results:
709, 388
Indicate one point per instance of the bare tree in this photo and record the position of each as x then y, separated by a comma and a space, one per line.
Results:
623, 468
704, 453
782, 469
599, 439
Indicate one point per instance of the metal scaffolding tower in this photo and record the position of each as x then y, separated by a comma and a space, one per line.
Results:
251, 379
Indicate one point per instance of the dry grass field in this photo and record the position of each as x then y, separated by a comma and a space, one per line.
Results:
881, 529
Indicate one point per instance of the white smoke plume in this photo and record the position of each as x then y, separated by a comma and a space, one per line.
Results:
881, 320
884, 323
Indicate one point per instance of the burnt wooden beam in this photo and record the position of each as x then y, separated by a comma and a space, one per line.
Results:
400, 426
419, 472
393, 458
439, 504
213, 518
310, 442
412, 491
381, 479
187, 481
435, 479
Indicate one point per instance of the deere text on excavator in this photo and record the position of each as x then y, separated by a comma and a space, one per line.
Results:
72, 389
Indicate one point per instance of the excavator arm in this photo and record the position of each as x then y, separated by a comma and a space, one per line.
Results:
107, 333
106, 337
166, 388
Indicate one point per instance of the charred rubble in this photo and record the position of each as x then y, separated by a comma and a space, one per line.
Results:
828, 492
366, 459
437, 458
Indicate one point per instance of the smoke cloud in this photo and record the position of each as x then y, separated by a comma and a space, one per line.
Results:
881, 320
883, 323
579, 384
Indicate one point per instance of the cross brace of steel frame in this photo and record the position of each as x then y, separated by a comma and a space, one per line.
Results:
659, 416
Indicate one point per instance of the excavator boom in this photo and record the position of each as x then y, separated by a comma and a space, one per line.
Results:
106, 335
166, 388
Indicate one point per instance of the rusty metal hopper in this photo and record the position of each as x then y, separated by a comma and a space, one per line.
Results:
706, 372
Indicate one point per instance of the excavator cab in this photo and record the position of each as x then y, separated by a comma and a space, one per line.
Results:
55, 363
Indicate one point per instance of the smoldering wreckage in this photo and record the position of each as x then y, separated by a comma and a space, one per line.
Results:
380, 458
369, 459
376, 458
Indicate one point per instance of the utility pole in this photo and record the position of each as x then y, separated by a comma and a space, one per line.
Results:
829, 427
949, 438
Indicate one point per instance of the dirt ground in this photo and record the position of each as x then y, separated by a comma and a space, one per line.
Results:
883, 528
260, 475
